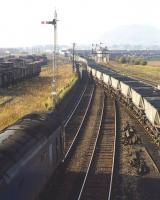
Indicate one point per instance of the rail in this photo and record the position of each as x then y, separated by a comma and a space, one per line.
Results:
103, 139
77, 104
68, 151
86, 163
146, 81
114, 152
89, 166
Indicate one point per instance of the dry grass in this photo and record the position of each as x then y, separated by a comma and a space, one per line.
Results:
33, 95
154, 63
151, 73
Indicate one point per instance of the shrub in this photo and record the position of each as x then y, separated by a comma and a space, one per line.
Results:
137, 62
132, 60
143, 62
122, 59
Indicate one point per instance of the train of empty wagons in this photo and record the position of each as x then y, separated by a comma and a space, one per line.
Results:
142, 99
13, 70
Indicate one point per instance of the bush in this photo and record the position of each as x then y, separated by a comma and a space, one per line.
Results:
128, 59
131, 60
122, 59
137, 62
143, 62
117, 58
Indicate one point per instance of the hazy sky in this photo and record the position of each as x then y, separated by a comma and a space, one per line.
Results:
81, 21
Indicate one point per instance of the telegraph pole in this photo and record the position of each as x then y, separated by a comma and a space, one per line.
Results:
92, 48
73, 59
55, 69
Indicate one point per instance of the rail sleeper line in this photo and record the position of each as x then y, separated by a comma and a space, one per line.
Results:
76, 163
73, 103
79, 95
68, 181
149, 82
97, 183
75, 121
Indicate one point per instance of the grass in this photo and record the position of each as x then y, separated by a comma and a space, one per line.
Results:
34, 95
148, 72
156, 58
154, 63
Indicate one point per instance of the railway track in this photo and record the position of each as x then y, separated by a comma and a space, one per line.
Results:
135, 170
62, 184
97, 164
76, 118
146, 81
98, 180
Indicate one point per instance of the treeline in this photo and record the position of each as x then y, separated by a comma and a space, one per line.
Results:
131, 60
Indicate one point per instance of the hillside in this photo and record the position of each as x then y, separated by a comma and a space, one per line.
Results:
132, 35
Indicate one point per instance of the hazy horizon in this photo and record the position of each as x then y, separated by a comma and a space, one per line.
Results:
82, 21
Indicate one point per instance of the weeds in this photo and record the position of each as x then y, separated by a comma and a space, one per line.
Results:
34, 95
147, 72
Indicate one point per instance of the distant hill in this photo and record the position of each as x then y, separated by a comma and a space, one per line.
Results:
132, 35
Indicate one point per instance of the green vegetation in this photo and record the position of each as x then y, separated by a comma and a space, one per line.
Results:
147, 72
131, 60
156, 58
34, 95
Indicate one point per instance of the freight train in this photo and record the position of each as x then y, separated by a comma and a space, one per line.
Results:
30, 151
13, 70
142, 99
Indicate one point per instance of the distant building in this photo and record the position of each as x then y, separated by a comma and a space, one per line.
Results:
101, 54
